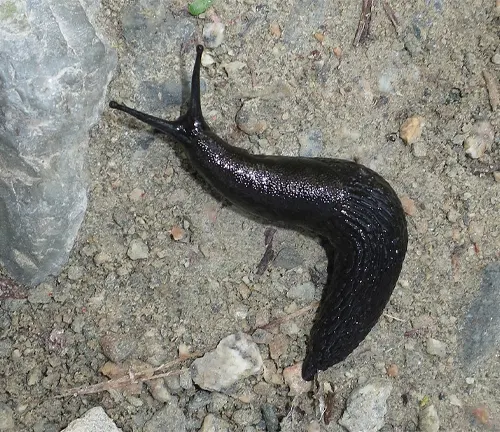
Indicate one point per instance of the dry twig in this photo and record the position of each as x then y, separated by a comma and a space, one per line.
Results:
492, 88
364, 23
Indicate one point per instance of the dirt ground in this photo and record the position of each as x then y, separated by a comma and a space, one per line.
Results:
304, 79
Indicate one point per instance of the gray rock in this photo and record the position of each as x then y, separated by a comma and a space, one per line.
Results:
481, 326
235, 358
5, 348
436, 347
305, 291
169, 418
6, 418
41, 294
137, 250
311, 143
54, 71
366, 407
246, 416
288, 258
118, 348
270, 418
94, 420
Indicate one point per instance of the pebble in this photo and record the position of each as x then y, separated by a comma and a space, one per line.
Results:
117, 348
367, 406
75, 272
293, 379
418, 149
311, 143
213, 34
41, 294
247, 118
436, 347
288, 258
207, 59
409, 206
270, 418
5, 347
305, 291
246, 417
480, 139
136, 194
6, 418
480, 334
137, 250
212, 423
496, 58
94, 420
278, 346
411, 129
232, 68
262, 336
496, 176
235, 358
428, 420
200, 400
159, 390
169, 418
455, 401
101, 258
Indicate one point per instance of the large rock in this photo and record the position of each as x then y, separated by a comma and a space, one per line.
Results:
54, 71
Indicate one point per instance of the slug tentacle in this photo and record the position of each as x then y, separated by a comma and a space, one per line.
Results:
346, 203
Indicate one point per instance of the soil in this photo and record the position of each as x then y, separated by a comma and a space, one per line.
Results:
192, 291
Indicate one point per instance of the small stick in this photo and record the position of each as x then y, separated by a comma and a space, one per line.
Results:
391, 15
364, 23
291, 316
492, 88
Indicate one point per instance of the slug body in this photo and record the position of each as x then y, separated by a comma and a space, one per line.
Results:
349, 205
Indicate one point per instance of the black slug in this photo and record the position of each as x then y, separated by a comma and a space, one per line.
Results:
346, 203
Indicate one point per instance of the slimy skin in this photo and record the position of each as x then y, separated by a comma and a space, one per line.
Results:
345, 203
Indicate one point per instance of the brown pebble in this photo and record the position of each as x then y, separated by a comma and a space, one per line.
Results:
338, 52
275, 29
293, 378
411, 129
177, 233
409, 206
392, 370
278, 346
320, 37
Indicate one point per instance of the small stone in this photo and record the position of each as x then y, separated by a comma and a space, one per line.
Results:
392, 370
158, 390
428, 420
288, 258
305, 291
293, 379
101, 258
5, 347
409, 206
366, 407
207, 59
6, 417
246, 416
212, 423
496, 58
137, 250
469, 380
34, 376
136, 194
75, 272
496, 176
278, 346
200, 400
270, 418
480, 140
262, 336
275, 30
235, 358
177, 233
41, 294
232, 68
247, 118
169, 418
213, 34
311, 143
419, 149
455, 401
411, 129
436, 347
93, 420
117, 348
